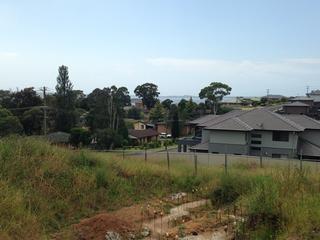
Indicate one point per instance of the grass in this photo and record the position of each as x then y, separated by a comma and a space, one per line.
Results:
45, 189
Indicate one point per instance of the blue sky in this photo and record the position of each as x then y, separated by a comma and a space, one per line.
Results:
181, 45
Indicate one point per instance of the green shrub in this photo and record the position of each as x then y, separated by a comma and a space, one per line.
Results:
79, 137
83, 160
264, 207
101, 179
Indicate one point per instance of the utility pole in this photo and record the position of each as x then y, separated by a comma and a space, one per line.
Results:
44, 89
268, 91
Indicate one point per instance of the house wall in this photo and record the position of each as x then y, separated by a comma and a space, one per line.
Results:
139, 126
236, 142
228, 137
269, 147
230, 142
205, 136
163, 128
296, 110
267, 142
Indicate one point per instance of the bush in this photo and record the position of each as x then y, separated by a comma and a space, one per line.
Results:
265, 209
9, 124
80, 137
108, 139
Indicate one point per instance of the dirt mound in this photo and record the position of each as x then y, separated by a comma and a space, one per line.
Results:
95, 228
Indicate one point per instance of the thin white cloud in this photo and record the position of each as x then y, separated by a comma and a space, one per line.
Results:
284, 66
8, 55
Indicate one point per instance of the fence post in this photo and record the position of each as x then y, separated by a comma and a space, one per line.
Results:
123, 153
301, 160
195, 164
145, 154
226, 163
168, 159
260, 159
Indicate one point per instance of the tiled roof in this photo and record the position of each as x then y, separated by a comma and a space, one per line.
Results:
304, 121
309, 149
220, 118
256, 119
143, 133
203, 119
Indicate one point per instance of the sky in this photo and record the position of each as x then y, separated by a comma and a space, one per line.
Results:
180, 45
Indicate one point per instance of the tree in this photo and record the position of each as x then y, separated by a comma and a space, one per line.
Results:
157, 114
134, 113
108, 139
79, 136
191, 110
182, 104
24, 98
148, 92
27, 97
6, 99
65, 100
167, 103
215, 93
32, 121
106, 107
9, 124
174, 119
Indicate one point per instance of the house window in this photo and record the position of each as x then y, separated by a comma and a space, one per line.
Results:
279, 136
255, 148
255, 142
255, 135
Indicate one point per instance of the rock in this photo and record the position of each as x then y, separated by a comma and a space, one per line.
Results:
145, 232
113, 236
131, 236
178, 196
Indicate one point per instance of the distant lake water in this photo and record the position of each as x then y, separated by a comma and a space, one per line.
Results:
196, 99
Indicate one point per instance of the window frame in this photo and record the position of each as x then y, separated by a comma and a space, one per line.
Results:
280, 137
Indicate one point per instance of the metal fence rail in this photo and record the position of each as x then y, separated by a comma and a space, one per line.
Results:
201, 160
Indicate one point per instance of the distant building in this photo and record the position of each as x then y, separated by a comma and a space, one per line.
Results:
143, 136
141, 125
296, 108
136, 102
165, 128
274, 97
313, 100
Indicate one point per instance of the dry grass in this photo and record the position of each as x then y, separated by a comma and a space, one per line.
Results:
45, 189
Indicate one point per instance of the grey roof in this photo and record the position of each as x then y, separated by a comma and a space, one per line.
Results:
304, 121
296, 104
256, 119
236, 124
143, 133
203, 119
309, 149
220, 118
58, 137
